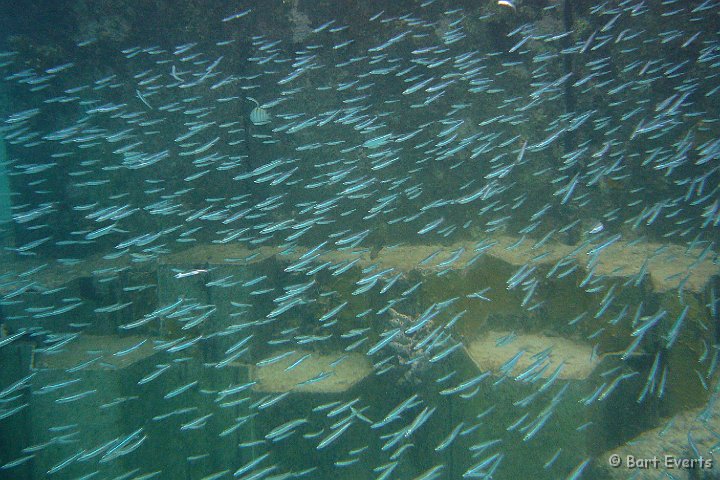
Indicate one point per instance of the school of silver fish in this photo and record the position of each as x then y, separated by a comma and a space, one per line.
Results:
364, 134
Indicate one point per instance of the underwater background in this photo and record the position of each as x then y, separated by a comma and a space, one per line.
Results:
409, 239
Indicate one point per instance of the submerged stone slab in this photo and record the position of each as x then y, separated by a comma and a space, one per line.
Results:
668, 266
490, 352
318, 373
